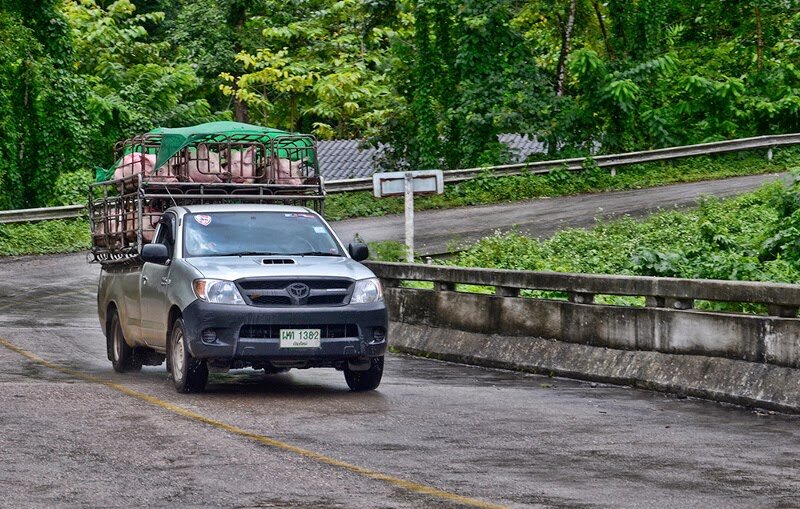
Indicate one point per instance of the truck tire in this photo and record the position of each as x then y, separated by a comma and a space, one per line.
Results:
368, 380
188, 374
122, 356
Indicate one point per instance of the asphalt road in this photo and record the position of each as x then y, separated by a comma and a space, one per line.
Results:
439, 231
75, 434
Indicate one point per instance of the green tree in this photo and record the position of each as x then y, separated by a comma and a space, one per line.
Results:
133, 85
43, 127
321, 68
467, 75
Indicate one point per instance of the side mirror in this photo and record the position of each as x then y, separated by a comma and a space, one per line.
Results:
155, 253
358, 251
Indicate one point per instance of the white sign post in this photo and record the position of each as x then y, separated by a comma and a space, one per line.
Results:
408, 183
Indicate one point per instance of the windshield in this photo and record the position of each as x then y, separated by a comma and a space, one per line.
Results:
257, 233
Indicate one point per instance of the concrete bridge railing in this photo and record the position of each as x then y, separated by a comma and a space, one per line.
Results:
665, 344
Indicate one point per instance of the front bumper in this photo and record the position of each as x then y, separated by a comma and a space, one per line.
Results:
354, 331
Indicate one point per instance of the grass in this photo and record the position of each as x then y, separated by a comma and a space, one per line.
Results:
44, 237
751, 237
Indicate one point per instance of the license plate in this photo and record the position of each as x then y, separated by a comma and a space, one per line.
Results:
300, 338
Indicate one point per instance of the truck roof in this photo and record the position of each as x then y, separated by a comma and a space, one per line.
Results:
239, 207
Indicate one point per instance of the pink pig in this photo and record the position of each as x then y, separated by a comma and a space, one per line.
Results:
134, 163
137, 162
289, 172
241, 166
150, 218
203, 166
149, 223
107, 230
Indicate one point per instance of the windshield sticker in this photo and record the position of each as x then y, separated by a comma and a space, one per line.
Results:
203, 220
296, 214
319, 229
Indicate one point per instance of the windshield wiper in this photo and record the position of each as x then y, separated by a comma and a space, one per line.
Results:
315, 253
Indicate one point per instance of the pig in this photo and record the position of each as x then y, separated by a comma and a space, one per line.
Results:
149, 223
164, 174
134, 163
203, 165
241, 166
109, 228
289, 172
150, 218
107, 231
137, 162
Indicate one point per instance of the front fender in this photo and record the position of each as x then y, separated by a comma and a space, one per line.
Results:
180, 291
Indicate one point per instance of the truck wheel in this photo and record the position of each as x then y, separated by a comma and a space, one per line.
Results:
188, 374
365, 380
122, 355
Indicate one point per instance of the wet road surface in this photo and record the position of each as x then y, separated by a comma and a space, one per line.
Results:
75, 434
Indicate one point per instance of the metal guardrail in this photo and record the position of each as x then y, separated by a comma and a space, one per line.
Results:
538, 167
607, 161
42, 214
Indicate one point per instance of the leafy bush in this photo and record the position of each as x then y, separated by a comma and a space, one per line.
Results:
45, 237
649, 262
388, 251
71, 188
720, 239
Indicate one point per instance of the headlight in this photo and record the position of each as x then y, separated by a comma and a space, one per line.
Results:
217, 291
367, 290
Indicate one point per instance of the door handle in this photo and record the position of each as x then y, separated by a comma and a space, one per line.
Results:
165, 281
144, 280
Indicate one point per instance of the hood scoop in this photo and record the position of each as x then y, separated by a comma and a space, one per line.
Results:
278, 261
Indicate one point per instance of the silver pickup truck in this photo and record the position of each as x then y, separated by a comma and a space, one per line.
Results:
234, 285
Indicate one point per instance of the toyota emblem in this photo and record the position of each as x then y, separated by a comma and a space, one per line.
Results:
298, 290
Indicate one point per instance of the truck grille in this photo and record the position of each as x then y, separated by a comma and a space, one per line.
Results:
333, 331
281, 292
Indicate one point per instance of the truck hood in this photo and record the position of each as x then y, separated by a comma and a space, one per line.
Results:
232, 268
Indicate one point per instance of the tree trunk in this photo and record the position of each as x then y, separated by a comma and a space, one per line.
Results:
760, 43
602, 24
566, 37
240, 111
236, 18
292, 111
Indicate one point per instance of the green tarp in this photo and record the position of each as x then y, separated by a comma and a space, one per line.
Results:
176, 139
173, 140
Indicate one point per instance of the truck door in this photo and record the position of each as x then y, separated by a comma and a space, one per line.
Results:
155, 281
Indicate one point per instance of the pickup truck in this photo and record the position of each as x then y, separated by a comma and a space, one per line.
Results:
233, 286
220, 259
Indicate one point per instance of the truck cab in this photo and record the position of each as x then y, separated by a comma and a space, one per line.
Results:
225, 286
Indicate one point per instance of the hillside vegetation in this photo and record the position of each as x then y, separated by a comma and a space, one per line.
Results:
752, 237
436, 80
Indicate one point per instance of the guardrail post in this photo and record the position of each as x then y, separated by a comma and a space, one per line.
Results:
769, 154
679, 303
656, 301
505, 291
444, 286
390, 283
782, 311
581, 298
653, 301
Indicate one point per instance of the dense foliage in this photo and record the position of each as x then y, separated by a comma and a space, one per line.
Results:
44, 237
753, 237
436, 80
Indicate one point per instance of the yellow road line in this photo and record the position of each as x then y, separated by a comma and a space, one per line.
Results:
264, 440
